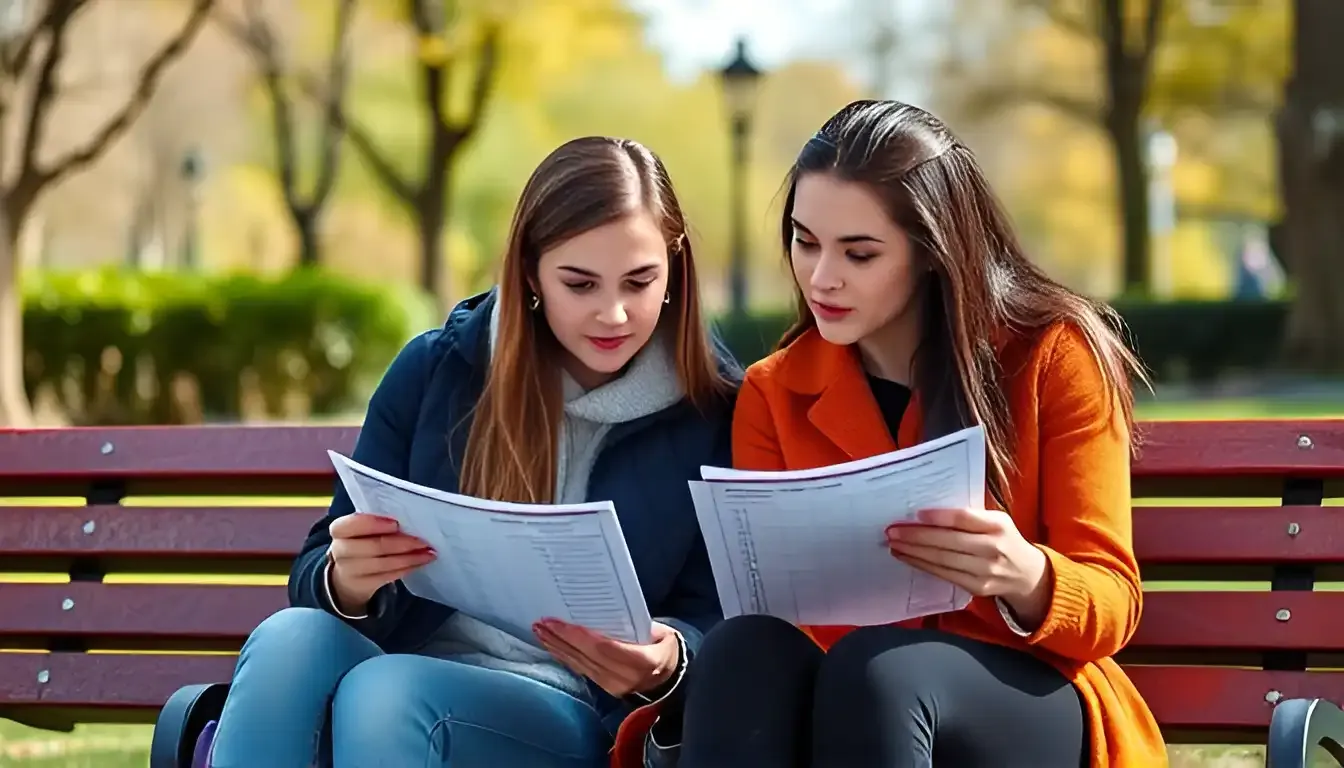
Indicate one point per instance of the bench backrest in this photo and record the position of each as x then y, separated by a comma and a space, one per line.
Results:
1230, 528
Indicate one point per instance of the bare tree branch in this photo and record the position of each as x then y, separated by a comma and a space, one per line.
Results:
359, 138
1152, 31
60, 13
484, 81
338, 76
15, 59
118, 124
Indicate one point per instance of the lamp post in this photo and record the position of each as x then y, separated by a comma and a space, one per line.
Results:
740, 79
193, 173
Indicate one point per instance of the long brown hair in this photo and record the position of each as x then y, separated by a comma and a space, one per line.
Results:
982, 282
583, 184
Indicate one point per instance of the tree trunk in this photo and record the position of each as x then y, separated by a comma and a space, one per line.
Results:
310, 241
15, 410
1310, 130
432, 211
1132, 179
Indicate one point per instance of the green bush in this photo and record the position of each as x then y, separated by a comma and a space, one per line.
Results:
119, 347
1178, 341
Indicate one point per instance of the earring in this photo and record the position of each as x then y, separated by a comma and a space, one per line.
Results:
667, 297
536, 302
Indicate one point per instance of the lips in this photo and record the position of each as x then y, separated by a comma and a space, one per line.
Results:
829, 311
608, 343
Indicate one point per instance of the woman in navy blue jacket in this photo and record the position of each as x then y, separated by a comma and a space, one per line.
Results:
587, 374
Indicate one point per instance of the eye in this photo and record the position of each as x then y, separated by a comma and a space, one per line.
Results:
580, 286
639, 285
803, 244
860, 258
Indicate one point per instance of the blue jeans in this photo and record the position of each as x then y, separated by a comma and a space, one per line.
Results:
310, 690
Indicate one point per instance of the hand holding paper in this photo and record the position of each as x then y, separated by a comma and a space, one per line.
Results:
367, 552
979, 550
508, 565
618, 668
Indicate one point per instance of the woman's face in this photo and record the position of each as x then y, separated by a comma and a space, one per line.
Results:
853, 264
602, 294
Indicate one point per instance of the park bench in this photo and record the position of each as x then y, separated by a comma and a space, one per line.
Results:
1226, 509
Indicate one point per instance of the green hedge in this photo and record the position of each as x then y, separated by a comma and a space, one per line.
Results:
118, 347
1178, 341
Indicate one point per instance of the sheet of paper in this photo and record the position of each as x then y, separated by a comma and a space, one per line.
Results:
512, 564
809, 546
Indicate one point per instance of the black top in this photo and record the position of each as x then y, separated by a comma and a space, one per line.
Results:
892, 399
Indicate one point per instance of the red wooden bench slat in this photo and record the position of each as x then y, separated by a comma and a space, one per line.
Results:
149, 452
1181, 697
1161, 534
198, 611
1213, 697
1171, 448
117, 531
1242, 620
105, 680
1227, 620
1238, 534
1242, 448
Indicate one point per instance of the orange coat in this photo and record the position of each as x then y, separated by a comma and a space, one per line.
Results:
809, 405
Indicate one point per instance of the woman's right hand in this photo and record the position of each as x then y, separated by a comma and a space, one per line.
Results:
368, 551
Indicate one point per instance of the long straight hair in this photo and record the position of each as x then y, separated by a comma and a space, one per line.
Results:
583, 184
982, 282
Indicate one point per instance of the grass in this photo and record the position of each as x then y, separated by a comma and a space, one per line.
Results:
127, 746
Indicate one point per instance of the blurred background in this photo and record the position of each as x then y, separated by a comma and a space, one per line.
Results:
237, 210
221, 211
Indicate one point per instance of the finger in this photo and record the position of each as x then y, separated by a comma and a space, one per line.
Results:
360, 524
584, 640
608, 668
378, 546
970, 520
973, 584
578, 665
370, 567
943, 558
566, 655
950, 539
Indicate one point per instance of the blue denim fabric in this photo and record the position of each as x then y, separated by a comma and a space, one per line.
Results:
310, 690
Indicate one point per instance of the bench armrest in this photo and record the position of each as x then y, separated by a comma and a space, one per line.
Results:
181, 721
1298, 726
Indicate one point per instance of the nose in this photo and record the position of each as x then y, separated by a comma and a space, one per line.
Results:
826, 274
613, 313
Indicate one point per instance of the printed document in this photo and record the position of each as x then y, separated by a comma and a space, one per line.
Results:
809, 546
507, 564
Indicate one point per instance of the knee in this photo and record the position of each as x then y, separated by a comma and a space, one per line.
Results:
377, 699
749, 634
300, 643
852, 663
295, 630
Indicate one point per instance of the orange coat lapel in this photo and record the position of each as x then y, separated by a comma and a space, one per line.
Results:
844, 411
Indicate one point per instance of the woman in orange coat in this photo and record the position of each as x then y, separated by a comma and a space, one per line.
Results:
920, 315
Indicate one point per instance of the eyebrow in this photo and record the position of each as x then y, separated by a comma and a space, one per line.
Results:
636, 272
860, 238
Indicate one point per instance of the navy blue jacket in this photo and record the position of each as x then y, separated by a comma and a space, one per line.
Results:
416, 429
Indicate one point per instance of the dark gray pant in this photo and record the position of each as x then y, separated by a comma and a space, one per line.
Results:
761, 693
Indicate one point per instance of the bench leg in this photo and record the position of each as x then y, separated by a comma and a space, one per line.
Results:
1298, 726
181, 721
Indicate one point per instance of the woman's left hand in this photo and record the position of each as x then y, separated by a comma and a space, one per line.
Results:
980, 551
619, 668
